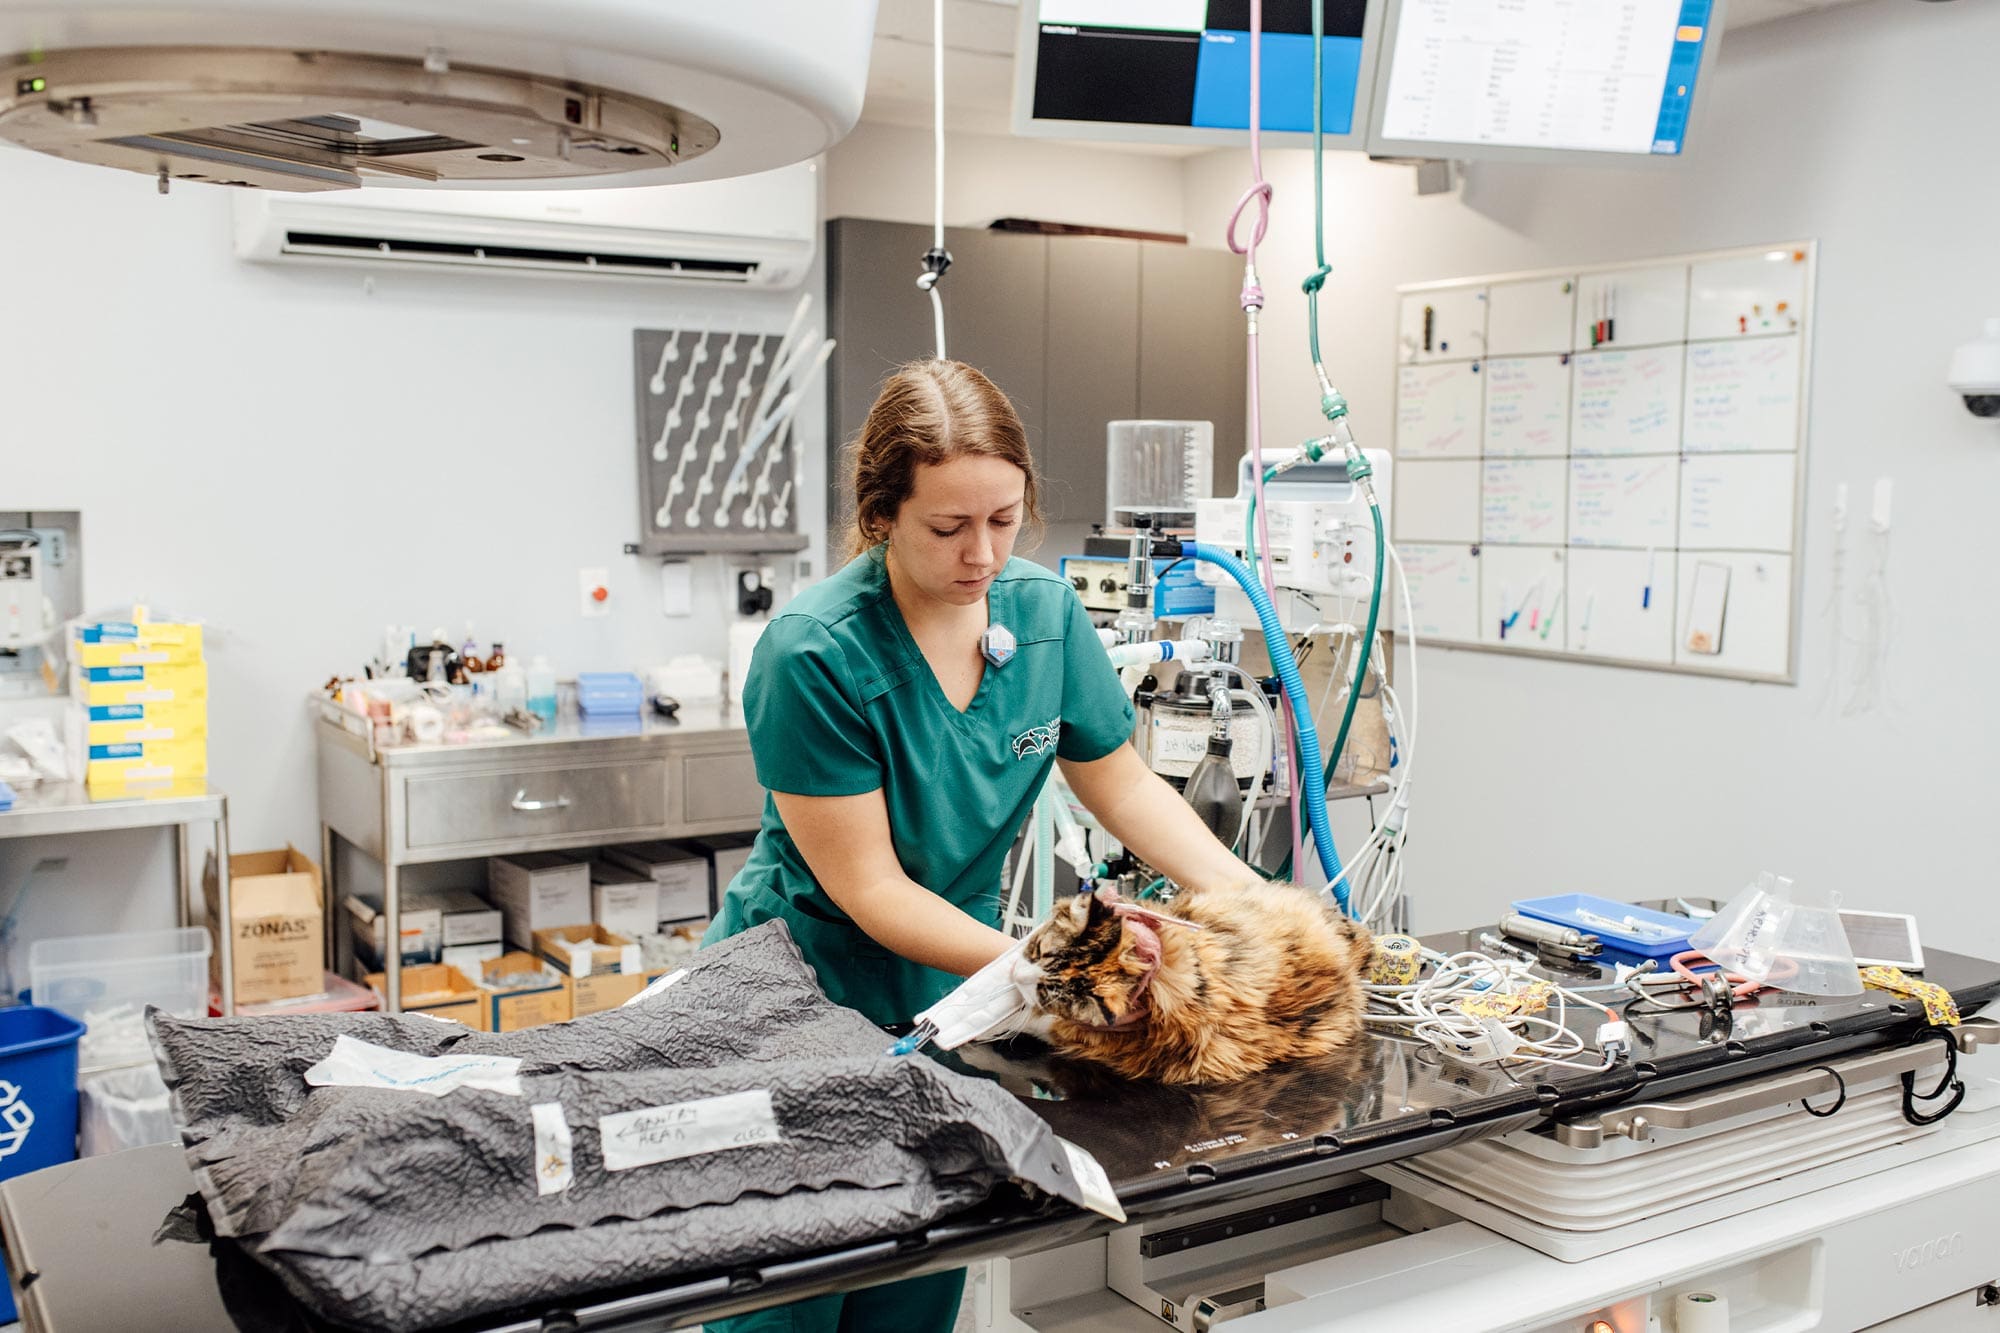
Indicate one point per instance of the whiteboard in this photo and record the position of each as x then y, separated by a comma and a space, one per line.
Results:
1531, 316
1444, 590
1610, 444
1457, 325
1527, 407
1646, 307
1623, 501
1437, 410
1627, 402
1737, 501
1524, 600
1521, 500
1622, 610
1437, 501
1754, 295
1742, 395
1757, 620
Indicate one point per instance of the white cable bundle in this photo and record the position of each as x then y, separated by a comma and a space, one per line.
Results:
1433, 1009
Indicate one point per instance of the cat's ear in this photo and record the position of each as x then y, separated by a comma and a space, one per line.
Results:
1102, 905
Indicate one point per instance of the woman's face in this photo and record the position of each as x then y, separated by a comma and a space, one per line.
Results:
957, 529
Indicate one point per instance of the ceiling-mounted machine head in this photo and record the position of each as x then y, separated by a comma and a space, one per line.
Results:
287, 95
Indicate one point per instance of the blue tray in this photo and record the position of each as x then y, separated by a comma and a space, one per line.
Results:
1602, 917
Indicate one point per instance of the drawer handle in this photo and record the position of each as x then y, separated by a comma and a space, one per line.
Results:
521, 802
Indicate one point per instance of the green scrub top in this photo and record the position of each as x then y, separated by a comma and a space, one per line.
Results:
839, 701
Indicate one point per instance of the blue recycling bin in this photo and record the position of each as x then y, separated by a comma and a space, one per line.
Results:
37, 1097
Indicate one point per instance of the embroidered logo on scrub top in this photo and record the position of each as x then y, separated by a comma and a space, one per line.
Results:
1038, 740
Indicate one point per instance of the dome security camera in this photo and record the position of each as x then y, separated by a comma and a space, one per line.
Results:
1975, 372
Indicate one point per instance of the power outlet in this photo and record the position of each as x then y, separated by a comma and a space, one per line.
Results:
594, 588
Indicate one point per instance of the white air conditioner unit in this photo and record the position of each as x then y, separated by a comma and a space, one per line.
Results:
749, 231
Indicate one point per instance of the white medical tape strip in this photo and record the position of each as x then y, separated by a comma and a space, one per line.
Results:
1098, 1196
555, 1164
656, 987
687, 1129
360, 1064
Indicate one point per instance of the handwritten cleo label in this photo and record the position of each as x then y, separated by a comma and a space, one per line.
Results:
687, 1129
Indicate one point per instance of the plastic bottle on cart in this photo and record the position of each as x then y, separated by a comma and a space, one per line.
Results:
510, 688
542, 690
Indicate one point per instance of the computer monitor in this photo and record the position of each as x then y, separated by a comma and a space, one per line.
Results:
1540, 80
1178, 71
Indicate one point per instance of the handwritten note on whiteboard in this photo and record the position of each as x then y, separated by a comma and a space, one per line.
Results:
1622, 501
1522, 500
1437, 411
1444, 590
1742, 396
1527, 407
1627, 402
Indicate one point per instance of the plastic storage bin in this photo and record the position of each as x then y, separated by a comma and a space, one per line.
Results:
610, 694
37, 1096
117, 976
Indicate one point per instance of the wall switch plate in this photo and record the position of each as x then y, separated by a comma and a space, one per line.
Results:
594, 587
677, 588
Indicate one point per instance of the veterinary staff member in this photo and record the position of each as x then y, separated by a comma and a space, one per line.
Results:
903, 716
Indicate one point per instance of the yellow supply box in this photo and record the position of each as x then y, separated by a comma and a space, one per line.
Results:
535, 993
100, 687
440, 990
129, 643
124, 724
276, 938
182, 761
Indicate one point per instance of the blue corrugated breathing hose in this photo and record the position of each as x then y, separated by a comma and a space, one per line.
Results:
1280, 649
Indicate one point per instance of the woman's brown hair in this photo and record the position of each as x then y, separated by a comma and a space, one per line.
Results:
930, 412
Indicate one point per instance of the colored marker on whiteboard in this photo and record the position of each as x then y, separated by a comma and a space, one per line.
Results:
1554, 611
1583, 628
1646, 597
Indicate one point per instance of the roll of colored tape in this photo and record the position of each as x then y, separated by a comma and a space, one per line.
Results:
1395, 962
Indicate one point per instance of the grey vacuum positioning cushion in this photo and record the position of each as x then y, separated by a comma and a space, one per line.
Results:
386, 1208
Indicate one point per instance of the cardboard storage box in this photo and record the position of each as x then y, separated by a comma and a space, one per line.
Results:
544, 999
603, 966
622, 900
727, 853
275, 933
435, 923
441, 991
367, 926
683, 874
537, 890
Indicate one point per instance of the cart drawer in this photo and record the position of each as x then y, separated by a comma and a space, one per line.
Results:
721, 787
528, 803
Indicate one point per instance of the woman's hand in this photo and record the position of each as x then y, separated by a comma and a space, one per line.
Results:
1137, 807
845, 841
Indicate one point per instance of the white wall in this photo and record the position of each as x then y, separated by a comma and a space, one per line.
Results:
300, 457
1871, 129
888, 172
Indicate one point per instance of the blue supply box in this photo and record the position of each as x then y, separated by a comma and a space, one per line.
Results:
1634, 932
610, 694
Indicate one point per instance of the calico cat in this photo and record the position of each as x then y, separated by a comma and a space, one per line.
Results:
1222, 983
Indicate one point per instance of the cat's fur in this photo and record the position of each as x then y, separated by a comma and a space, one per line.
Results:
1271, 975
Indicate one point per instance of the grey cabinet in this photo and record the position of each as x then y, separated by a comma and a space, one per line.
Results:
1077, 330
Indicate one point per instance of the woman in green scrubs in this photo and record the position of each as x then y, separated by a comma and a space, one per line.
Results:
903, 715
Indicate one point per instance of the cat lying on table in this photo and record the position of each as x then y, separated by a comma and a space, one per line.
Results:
1217, 985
